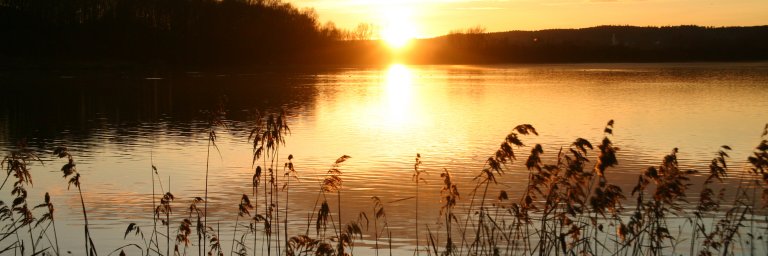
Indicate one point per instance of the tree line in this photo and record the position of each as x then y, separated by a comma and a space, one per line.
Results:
176, 31
596, 44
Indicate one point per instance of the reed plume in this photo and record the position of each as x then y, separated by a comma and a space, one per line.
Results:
70, 171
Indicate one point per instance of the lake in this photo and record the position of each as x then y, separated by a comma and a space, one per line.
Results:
117, 124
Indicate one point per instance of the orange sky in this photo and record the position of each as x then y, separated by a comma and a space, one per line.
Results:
437, 17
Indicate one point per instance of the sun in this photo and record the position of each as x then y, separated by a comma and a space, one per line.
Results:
397, 35
398, 28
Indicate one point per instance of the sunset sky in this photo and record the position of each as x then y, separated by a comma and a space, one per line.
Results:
427, 18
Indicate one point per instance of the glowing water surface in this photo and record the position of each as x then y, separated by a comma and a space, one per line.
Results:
118, 124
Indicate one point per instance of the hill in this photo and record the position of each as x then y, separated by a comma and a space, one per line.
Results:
598, 44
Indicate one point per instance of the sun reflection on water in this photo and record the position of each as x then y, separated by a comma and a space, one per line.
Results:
399, 94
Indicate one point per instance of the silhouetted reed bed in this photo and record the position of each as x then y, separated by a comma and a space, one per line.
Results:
569, 206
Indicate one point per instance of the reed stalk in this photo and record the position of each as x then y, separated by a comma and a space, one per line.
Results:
417, 172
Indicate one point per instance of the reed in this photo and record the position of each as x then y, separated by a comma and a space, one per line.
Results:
244, 209
333, 183
709, 202
378, 213
48, 216
165, 209
153, 172
289, 171
495, 165
215, 119
17, 164
267, 135
417, 172
450, 193
69, 169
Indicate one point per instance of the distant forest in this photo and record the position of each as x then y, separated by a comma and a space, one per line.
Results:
598, 44
176, 31
270, 32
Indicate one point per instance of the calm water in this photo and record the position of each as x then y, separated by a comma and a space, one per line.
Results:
118, 123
